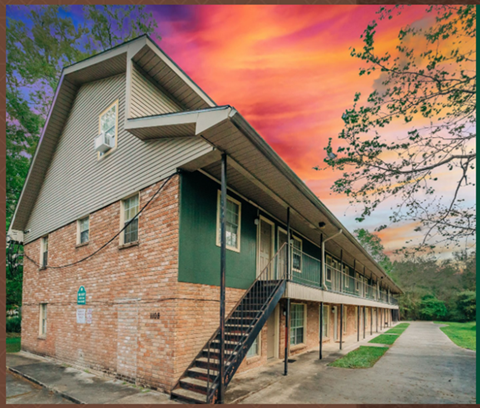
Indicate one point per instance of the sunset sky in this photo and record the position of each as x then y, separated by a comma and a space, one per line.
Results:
288, 71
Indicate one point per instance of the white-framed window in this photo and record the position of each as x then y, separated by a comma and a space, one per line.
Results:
44, 252
130, 208
83, 230
328, 275
326, 322
357, 281
233, 219
346, 272
108, 123
43, 320
254, 350
345, 311
297, 246
297, 323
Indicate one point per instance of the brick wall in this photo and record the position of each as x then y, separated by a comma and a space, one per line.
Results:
124, 286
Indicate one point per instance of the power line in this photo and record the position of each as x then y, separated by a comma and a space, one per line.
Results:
111, 240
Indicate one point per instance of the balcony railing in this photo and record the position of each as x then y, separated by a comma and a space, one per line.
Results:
306, 270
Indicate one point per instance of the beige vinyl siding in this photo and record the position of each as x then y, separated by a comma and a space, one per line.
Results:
147, 98
76, 183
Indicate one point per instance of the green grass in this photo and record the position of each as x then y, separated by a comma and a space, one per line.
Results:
363, 357
13, 344
399, 329
385, 339
462, 334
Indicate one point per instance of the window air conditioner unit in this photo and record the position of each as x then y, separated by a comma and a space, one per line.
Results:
103, 143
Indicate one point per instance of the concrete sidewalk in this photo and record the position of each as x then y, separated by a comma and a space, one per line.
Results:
78, 386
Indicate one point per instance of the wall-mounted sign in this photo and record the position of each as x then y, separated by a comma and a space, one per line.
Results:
81, 296
89, 316
81, 316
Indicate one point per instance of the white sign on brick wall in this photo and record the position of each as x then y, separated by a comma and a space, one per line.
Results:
81, 316
89, 316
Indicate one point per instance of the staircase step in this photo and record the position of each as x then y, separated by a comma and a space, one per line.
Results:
202, 373
195, 384
215, 353
204, 362
228, 344
189, 396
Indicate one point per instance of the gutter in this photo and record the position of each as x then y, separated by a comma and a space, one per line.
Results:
323, 256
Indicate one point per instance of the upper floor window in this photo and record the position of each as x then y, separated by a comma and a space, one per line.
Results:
232, 222
297, 254
108, 124
346, 272
328, 275
83, 230
130, 208
44, 252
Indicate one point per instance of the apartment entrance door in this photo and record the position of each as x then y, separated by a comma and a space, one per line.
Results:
265, 244
272, 330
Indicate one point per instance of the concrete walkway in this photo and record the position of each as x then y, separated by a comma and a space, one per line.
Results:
422, 367
81, 387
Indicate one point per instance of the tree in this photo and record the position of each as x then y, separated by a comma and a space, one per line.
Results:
373, 244
426, 90
432, 308
39, 43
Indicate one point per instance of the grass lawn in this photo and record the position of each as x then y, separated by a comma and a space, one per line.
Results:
385, 339
405, 325
363, 357
399, 329
13, 344
462, 334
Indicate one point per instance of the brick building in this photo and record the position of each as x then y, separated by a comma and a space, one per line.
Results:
121, 222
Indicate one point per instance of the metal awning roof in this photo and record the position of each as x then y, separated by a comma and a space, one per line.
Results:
259, 174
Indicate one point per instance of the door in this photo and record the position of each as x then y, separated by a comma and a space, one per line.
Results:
265, 245
272, 334
335, 323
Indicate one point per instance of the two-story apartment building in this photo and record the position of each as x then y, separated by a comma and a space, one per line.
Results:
121, 222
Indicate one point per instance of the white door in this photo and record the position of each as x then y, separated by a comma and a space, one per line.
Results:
272, 334
265, 245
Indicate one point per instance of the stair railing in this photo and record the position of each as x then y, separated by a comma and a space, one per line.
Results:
276, 272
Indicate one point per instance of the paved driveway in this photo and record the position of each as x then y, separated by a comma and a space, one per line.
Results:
422, 367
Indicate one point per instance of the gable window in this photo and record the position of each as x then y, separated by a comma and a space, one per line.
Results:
108, 125
297, 324
297, 254
83, 230
44, 252
130, 208
233, 215
43, 320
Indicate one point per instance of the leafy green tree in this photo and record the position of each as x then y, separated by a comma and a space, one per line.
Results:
39, 45
432, 308
467, 304
426, 87
373, 244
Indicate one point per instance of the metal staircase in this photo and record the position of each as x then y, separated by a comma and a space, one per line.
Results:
200, 382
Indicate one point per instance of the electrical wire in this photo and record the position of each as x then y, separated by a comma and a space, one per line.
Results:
111, 240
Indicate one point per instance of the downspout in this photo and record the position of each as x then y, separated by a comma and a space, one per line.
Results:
323, 257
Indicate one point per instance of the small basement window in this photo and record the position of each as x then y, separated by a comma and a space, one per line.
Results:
83, 230
130, 210
254, 349
43, 320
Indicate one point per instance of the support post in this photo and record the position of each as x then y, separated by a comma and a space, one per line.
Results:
223, 258
364, 321
358, 323
341, 324
287, 314
371, 321
321, 331
376, 320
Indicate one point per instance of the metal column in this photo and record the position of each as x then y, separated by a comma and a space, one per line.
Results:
287, 314
223, 255
341, 324
321, 331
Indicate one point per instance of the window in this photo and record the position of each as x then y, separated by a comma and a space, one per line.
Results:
130, 210
232, 223
357, 281
297, 254
326, 322
344, 319
329, 269
254, 349
83, 230
297, 324
44, 252
346, 275
108, 124
43, 319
